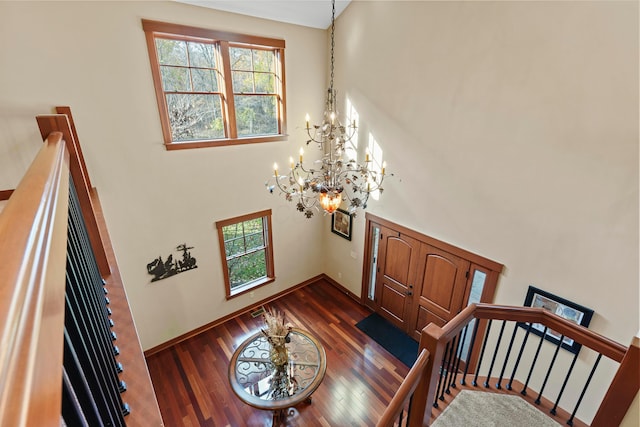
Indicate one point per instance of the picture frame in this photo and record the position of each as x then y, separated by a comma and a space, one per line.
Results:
341, 223
564, 308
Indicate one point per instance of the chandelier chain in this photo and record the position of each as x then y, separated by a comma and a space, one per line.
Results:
333, 28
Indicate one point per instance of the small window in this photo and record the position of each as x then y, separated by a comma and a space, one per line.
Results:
216, 88
246, 250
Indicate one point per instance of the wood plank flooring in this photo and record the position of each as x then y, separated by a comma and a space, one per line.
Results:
191, 378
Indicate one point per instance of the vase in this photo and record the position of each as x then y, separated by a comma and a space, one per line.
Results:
278, 355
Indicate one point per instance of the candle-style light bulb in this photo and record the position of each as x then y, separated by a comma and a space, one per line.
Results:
291, 162
307, 118
384, 165
301, 153
275, 169
366, 158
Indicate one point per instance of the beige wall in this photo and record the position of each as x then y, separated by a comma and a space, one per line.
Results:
93, 57
512, 128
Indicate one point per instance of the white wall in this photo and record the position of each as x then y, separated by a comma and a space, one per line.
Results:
93, 57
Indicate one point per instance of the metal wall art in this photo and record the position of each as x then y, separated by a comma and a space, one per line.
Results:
162, 269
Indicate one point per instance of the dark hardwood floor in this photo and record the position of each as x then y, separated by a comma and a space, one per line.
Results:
191, 378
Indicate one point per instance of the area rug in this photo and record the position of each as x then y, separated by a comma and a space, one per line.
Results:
393, 339
486, 409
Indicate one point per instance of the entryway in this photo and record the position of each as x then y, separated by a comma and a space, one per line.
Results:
412, 279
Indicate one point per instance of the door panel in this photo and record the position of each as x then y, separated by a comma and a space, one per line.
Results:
398, 258
442, 281
439, 273
393, 302
425, 317
397, 254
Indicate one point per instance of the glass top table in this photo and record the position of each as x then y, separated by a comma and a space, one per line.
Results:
257, 382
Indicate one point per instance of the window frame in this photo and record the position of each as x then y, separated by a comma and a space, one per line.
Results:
222, 40
268, 243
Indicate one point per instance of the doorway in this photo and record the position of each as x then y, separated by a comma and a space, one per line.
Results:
412, 279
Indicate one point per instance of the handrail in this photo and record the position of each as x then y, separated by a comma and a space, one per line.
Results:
63, 123
584, 336
434, 339
405, 392
33, 237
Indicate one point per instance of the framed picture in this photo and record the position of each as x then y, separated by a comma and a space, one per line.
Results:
564, 308
341, 223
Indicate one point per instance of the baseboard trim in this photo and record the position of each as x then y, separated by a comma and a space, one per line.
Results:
251, 307
342, 288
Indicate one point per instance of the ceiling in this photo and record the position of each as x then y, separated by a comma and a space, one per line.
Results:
309, 13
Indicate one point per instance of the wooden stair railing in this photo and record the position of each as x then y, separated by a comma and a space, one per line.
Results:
33, 240
394, 414
58, 360
445, 358
64, 123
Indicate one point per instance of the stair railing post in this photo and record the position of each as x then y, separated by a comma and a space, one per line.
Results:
623, 389
432, 339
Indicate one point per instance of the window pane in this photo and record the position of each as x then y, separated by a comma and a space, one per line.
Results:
242, 82
171, 52
247, 268
232, 231
253, 226
240, 58
265, 83
204, 80
175, 79
234, 247
194, 117
255, 240
262, 60
201, 55
256, 115
233, 239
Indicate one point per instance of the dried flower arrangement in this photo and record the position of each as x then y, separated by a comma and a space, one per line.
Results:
277, 334
276, 331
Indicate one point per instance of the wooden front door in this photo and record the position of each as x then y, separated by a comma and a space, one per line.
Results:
412, 279
396, 276
440, 288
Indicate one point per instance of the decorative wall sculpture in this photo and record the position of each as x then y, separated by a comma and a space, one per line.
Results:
162, 269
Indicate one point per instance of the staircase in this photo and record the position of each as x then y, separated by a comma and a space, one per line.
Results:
492, 348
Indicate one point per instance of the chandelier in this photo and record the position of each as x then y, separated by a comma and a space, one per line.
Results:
332, 179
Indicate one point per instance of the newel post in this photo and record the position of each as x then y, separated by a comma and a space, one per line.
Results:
425, 392
622, 390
